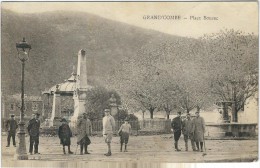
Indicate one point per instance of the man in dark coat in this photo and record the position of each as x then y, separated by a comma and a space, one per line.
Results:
65, 134
177, 127
198, 126
84, 129
34, 132
188, 132
11, 126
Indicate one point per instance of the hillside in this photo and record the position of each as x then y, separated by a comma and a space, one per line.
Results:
56, 38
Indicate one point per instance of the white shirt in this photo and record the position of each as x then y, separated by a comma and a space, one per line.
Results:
108, 124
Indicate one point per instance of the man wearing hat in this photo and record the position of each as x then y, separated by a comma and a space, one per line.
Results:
177, 127
11, 126
65, 134
84, 129
188, 132
198, 124
34, 132
124, 132
108, 129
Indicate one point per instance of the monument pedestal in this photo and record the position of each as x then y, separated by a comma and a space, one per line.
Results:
56, 111
79, 106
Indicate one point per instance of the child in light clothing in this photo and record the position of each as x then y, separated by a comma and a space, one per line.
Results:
124, 132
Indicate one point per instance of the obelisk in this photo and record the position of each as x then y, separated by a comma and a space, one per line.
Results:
81, 87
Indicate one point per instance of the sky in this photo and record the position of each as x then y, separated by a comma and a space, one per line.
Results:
237, 15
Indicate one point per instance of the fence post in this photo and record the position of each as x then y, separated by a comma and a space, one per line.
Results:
137, 127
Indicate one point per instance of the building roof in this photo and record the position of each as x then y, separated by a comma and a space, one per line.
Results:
66, 88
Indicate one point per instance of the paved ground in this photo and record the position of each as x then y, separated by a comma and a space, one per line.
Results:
157, 148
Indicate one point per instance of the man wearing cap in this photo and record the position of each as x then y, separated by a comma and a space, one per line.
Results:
11, 126
84, 129
177, 126
198, 126
188, 132
34, 132
108, 129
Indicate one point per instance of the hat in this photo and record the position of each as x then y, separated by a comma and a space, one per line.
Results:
126, 119
107, 110
12, 115
63, 120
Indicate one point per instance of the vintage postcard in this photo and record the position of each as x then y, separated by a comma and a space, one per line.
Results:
128, 84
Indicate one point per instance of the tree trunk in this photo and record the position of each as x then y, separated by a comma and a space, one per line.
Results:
151, 112
167, 112
234, 111
168, 116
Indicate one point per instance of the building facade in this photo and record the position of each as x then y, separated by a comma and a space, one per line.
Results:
12, 104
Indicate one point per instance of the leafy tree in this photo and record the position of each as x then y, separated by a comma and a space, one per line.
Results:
123, 114
98, 100
233, 70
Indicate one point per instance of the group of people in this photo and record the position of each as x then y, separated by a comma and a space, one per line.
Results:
192, 129
84, 130
33, 130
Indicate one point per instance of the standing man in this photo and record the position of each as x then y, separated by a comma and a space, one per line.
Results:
188, 132
199, 130
108, 129
11, 126
34, 132
177, 126
65, 134
84, 129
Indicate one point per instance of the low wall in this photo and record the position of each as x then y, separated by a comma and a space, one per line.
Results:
230, 129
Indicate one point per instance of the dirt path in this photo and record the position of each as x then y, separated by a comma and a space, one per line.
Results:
158, 148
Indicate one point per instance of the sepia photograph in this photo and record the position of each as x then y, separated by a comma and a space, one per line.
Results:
129, 84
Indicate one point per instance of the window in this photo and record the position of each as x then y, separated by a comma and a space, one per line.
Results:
20, 105
12, 107
35, 106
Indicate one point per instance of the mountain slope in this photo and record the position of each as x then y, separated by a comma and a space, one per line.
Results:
56, 38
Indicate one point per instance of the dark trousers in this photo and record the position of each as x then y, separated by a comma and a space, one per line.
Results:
11, 135
34, 140
177, 135
189, 136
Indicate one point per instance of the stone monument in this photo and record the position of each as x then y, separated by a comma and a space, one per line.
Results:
113, 105
81, 87
223, 110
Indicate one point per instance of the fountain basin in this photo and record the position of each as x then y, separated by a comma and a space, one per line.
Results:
218, 130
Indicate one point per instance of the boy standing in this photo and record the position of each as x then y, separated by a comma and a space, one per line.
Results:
124, 132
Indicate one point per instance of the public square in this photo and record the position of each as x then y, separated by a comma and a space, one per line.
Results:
74, 69
156, 148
